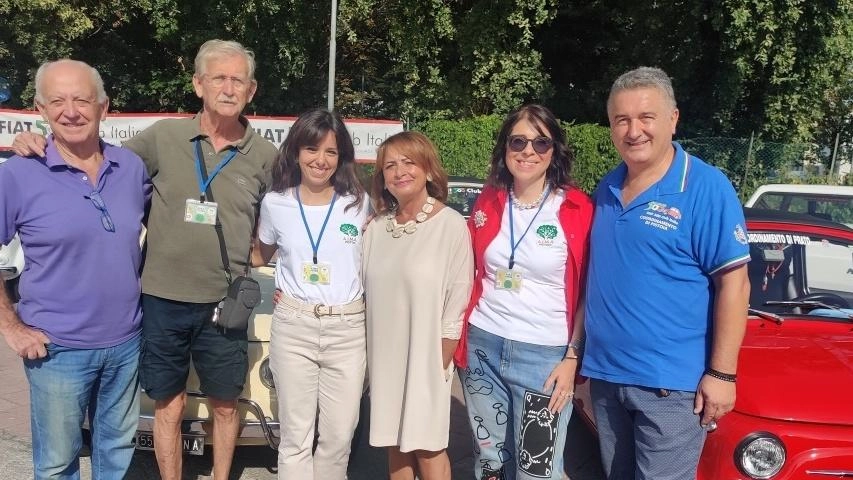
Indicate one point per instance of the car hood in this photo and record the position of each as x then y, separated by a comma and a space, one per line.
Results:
801, 370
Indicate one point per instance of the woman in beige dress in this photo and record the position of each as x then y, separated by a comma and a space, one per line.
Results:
418, 271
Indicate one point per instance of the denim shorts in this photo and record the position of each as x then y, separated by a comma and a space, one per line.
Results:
175, 332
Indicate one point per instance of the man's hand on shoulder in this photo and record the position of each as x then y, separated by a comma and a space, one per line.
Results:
714, 399
28, 144
26, 341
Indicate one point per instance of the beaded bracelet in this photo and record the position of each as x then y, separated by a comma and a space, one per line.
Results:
726, 377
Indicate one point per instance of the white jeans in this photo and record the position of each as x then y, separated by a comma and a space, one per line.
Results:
318, 363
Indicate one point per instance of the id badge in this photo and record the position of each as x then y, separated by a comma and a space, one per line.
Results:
200, 212
316, 274
508, 279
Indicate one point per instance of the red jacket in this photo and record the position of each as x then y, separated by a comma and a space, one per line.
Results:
485, 223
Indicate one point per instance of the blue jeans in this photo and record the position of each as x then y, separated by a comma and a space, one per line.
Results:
646, 433
66, 384
515, 436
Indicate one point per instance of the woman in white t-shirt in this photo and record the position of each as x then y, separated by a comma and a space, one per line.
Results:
522, 335
313, 217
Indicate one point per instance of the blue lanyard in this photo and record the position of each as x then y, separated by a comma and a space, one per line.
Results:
315, 246
512, 243
202, 183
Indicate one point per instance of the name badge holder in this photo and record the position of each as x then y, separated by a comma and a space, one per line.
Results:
314, 272
509, 278
201, 211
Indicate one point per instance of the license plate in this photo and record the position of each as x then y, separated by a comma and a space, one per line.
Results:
192, 444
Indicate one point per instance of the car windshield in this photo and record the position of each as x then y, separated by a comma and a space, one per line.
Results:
836, 208
792, 267
461, 197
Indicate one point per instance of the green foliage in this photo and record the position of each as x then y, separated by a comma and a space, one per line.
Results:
782, 69
465, 147
785, 58
446, 59
594, 152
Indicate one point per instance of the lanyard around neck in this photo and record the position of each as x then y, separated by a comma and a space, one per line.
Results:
203, 183
512, 243
314, 246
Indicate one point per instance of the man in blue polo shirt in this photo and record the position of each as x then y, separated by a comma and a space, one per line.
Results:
667, 291
78, 210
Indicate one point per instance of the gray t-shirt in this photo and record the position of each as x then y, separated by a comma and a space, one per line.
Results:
182, 259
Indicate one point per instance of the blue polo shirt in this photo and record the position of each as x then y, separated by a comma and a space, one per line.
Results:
81, 283
649, 296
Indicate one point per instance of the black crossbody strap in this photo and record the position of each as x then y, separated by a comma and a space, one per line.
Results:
218, 226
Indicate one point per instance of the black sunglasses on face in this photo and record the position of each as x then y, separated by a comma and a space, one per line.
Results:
518, 143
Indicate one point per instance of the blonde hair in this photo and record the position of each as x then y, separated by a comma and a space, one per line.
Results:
223, 48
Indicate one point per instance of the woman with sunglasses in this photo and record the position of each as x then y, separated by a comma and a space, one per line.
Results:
314, 216
521, 342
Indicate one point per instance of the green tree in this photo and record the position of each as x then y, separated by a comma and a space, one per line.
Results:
447, 59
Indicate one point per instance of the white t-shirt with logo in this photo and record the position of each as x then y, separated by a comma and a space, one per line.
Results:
340, 246
537, 312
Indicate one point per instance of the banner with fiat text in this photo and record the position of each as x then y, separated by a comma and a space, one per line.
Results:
367, 134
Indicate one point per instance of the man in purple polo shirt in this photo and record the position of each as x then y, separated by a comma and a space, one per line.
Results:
78, 211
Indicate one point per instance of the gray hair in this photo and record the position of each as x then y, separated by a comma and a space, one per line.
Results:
97, 81
644, 77
223, 48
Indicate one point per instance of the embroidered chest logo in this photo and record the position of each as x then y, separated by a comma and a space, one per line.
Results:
662, 216
546, 234
350, 233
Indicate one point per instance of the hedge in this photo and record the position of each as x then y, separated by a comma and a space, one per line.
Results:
465, 147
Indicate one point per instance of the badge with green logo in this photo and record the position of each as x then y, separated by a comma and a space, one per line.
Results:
547, 232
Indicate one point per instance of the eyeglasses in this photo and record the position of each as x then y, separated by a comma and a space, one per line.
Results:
98, 202
518, 143
219, 80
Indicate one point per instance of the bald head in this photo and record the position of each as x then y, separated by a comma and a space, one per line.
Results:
66, 65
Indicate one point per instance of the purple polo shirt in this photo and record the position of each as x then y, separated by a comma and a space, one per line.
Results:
81, 282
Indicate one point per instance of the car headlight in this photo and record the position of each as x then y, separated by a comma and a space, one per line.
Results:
266, 374
760, 455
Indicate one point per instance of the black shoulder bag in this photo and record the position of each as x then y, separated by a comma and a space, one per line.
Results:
244, 292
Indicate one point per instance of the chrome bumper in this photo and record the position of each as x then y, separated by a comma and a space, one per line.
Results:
262, 431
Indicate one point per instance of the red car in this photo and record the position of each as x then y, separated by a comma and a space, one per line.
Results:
793, 418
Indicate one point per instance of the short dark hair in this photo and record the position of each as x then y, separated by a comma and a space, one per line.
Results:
559, 172
309, 130
644, 77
